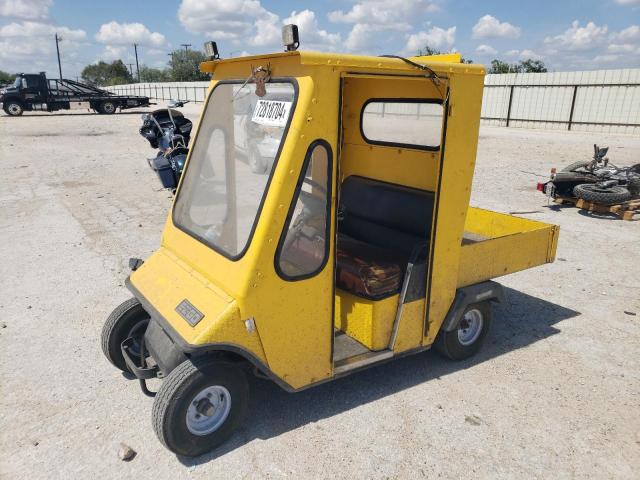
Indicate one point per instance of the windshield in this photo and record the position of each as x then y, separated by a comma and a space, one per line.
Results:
17, 82
231, 163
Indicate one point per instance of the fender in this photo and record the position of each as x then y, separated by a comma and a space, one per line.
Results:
465, 296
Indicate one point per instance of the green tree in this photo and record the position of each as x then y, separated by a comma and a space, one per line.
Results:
6, 78
105, 74
184, 66
427, 50
149, 74
533, 66
525, 66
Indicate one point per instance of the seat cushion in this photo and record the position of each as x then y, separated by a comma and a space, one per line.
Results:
393, 217
367, 270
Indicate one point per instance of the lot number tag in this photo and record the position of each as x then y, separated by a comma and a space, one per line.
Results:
272, 113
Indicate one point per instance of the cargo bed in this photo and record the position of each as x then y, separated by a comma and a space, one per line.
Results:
496, 244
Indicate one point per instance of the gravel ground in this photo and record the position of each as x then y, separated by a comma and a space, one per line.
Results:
555, 393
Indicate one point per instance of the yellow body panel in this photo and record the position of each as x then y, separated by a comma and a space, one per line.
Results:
497, 244
368, 321
294, 320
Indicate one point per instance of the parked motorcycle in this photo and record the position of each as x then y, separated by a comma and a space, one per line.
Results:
596, 180
169, 131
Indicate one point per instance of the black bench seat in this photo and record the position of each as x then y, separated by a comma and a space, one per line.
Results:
380, 227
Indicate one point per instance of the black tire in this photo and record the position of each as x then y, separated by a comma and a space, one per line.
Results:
592, 192
127, 319
108, 107
449, 344
256, 162
179, 391
634, 186
576, 166
13, 108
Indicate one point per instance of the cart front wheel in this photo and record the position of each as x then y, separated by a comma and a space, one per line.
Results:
14, 108
466, 339
107, 107
199, 405
128, 319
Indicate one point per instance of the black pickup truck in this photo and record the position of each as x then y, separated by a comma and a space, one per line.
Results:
35, 92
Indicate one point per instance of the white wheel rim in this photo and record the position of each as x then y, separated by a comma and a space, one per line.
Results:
208, 410
15, 109
470, 327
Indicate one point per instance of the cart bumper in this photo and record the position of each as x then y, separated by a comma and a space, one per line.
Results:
137, 367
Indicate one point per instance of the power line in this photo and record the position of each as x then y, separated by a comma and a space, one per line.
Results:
186, 46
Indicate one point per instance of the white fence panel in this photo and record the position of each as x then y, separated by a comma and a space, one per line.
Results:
597, 101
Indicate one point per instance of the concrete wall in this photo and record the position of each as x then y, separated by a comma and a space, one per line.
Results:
605, 100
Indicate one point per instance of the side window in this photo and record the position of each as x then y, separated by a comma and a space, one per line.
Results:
410, 123
304, 245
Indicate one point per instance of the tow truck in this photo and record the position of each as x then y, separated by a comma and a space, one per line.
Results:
36, 92
353, 246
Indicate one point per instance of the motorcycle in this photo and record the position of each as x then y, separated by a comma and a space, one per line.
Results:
169, 131
596, 180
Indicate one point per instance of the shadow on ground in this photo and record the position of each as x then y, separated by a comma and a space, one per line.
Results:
521, 321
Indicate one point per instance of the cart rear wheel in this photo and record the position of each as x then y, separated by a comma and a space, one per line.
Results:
199, 405
108, 107
13, 108
128, 319
467, 338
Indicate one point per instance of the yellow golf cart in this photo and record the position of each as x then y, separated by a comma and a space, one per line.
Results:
321, 226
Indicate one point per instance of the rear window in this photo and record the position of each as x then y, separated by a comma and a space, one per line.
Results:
408, 123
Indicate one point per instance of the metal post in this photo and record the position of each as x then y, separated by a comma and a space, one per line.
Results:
186, 46
510, 101
58, 52
135, 48
573, 105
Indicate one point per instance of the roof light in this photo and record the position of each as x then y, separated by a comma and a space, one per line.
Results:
290, 37
211, 50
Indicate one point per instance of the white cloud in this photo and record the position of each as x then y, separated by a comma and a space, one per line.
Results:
239, 21
25, 9
29, 30
628, 2
435, 37
630, 34
114, 33
606, 58
489, 26
378, 23
579, 38
28, 46
311, 35
529, 54
486, 50
397, 14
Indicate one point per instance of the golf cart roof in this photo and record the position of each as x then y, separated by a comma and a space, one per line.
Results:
445, 63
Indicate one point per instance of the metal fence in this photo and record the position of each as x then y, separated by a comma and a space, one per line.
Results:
600, 100
560, 106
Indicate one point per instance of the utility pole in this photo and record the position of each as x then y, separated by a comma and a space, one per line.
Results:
58, 51
186, 46
130, 69
135, 48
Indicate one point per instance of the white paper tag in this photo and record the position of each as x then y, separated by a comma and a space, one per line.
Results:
273, 113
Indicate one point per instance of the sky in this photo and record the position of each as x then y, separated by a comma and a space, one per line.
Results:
565, 34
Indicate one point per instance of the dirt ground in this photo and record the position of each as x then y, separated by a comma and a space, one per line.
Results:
555, 393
